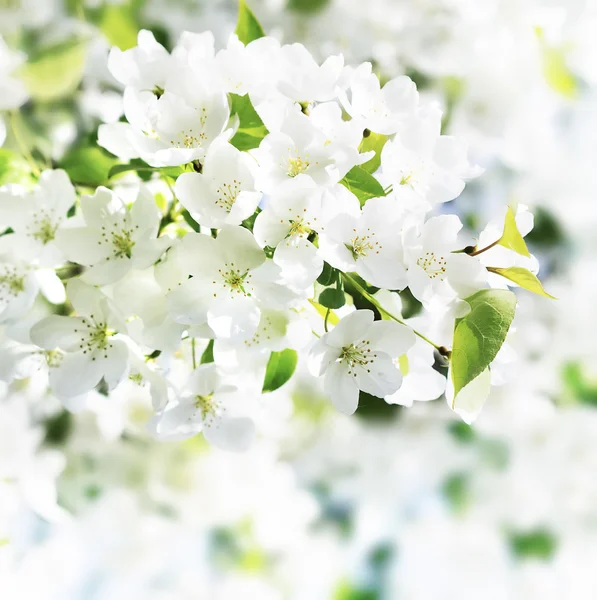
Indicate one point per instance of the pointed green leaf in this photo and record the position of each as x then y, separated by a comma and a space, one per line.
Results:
362, 184
280, 368
479, 335
251, 129
373, 142
511, 237
208, 353
524, 278
248, 27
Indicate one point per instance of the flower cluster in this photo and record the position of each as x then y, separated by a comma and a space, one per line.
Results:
288, 210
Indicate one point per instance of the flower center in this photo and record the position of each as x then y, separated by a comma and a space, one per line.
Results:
433, 265
227, 194
299, 228
43, 229
208, 407
234, 279
11, 282
121, 241
357, 355
361, 245
297, 165
53, 357
94, 337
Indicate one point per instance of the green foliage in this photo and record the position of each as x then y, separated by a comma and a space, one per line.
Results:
13, 168
328, 275
462, 432
456, 490
251, 129
373, 142
346, 591
248, 27
208, 353
538, 544
58, 428
186, 215
57, 72
143, 169
332, 298
307, 6
547, 232
376, 409
524, 278
119, 26
88, 165
280, 368
578, 386
362, 184
479, 335
511, 237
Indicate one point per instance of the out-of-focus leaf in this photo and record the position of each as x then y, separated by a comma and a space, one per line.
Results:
88, 165
373, 142
14, 168
57, 72
119, 26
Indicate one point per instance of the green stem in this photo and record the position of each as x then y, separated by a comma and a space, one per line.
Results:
14, 117
194, 356
381, 309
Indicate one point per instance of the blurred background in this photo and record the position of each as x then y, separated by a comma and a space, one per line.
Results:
390, 503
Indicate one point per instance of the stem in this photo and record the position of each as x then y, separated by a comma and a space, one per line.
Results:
381, 309
14, 116
193, 350
477, 252
325, 321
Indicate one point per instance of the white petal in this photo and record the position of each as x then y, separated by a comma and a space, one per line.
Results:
76, 375
351, 328
114, 137
234, 318
81, 245
390, 337
58, 332
341, 389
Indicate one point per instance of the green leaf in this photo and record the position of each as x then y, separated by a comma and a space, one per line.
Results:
524, 278
248, 27
307, 6
373, 142
332, 298
14, 168
538, 544
280, 367
328, 275
362, 184
479, 335
511, 238
142, 167
57, 72
251, 129
557, 73
88, 165
119, 26
208, 353
186, 215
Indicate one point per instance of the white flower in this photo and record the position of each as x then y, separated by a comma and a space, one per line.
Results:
230, 279
292, 214
419, 158
368, 244
382, 110
35, 217
144, 67
167, 131
114, 239
303, 80
86, 348
358, 355
437, 275
300, 146
207, 405
420, 381
224, 192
